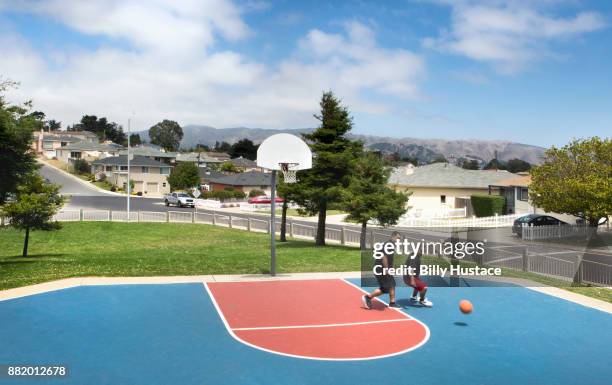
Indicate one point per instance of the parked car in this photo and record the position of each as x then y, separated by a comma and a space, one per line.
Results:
179, 199
535, 220
263, 199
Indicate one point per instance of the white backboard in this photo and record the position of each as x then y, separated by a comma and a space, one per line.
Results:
284, 148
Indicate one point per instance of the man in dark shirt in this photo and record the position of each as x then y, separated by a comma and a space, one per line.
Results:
386, 281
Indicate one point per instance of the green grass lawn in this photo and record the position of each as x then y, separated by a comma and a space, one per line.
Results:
82, 249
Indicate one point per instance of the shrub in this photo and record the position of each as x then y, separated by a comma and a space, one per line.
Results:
255, 193
488, 205
81, 166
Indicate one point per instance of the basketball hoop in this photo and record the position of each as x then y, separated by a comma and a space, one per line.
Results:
289, 154
289, 174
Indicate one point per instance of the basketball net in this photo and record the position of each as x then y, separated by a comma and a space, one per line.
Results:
289, 175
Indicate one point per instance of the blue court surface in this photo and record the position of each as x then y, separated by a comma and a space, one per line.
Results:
173, 334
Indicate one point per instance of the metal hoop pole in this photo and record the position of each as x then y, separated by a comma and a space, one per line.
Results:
273, 225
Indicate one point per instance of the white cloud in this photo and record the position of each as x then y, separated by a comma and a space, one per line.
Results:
509, 34
173, 68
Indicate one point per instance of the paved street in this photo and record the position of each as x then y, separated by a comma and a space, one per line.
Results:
70, 186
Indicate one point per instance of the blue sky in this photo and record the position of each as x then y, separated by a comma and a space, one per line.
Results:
535, 72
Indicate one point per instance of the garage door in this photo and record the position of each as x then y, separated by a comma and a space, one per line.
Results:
138, 185
152, 187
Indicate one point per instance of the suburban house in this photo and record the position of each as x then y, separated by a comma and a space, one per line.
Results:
439, 188
149, 175
244, 164
201, 159
245, 182
206, 175
516, 192
89, 151
153, 152
220, 156
46, 143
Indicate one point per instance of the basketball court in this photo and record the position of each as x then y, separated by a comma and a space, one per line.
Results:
304, 331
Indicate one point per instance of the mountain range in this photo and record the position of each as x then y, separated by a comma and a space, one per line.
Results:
425, 150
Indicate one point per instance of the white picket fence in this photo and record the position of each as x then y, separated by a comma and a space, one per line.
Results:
343, 236
531, 233
494, 221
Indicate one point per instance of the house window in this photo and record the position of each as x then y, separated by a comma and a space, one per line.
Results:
165, 171
145, 170
75, 155
123, 168
164, 184
109, 168
443, 199
48, 145
524, 194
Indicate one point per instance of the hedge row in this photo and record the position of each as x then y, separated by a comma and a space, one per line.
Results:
488, 205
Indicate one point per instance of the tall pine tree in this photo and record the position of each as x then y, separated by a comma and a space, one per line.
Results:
333, 157
368, 197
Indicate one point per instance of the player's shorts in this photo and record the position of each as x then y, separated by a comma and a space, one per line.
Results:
418, 284
385, 282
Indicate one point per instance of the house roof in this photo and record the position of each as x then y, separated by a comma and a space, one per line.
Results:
138, 160
61, 138
208, 174
91, 146
150, 152
243, 162
222, 156
519, 181
193, 157
251, 178
447, 175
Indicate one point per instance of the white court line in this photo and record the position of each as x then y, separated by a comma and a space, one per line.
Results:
325, 325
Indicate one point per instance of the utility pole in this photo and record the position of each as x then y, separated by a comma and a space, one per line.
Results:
129, 189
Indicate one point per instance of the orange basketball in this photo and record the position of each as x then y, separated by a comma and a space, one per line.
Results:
465, 306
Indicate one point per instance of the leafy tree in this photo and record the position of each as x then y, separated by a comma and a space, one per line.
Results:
104, 129
576, 179
518, 165
135, 140
244, 148
494, 164
184, 176
16, 156
34, 207
201, 147
255, 193
53, 125
39, 118
223, 147
470, 164
367, 196
409, 159
334, 155
228, 167
439, 159
81, 166
287, 191
167, 134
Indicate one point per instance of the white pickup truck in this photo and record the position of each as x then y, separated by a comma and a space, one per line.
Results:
179, 199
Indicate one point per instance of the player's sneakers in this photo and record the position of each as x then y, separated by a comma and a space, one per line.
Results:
394, 305
425, 302
366, 301
414, 298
